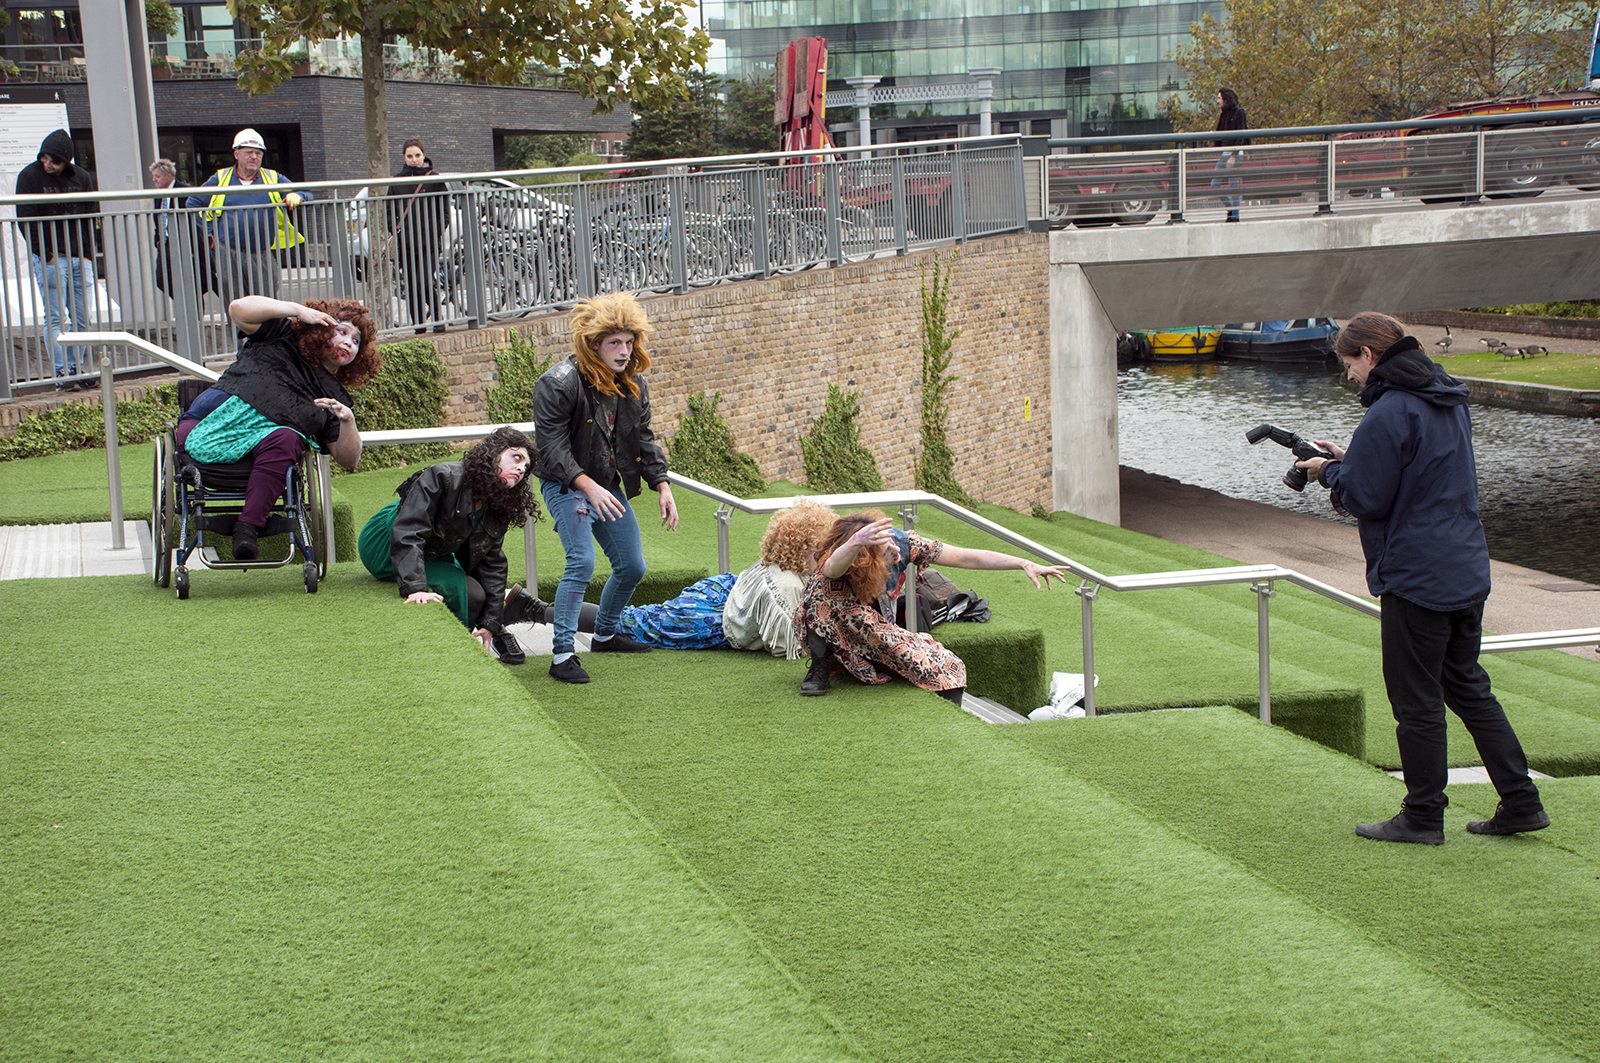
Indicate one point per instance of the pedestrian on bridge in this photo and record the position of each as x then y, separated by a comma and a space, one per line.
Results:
1231, 117
1409, 479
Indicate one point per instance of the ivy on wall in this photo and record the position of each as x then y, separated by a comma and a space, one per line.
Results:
935, 467
703, 450
409, 392
835, 460
519, 368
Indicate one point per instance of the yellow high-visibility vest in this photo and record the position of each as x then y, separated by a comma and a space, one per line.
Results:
286, 235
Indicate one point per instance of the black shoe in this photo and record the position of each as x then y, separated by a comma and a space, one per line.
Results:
618, 643
1504, 824
569, 671
522, 607
245, 547
1399, 829
88, 383
507, 648
66, 385
818, 676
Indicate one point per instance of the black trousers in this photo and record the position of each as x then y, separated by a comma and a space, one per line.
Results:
1430, 660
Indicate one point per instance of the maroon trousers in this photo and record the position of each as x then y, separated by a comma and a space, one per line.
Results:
272, 457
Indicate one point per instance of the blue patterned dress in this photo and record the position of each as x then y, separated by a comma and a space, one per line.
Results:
691, 621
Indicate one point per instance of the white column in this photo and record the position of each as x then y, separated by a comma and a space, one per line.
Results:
985, 76
863, 86
1083, 399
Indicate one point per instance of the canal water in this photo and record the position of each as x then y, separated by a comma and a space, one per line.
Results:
1538, 474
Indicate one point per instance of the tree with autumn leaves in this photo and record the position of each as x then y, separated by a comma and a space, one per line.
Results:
1299, 62
608, 50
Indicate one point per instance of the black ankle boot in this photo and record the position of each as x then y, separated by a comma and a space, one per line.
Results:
245, 547
817, 681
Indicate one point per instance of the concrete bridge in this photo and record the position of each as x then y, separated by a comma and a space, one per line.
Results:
1103, 280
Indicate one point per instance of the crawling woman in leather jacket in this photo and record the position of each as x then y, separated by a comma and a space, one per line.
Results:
443, 539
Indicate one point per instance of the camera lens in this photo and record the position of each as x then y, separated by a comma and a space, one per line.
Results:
1295, 479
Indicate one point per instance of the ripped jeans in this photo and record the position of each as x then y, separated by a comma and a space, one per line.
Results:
579, 532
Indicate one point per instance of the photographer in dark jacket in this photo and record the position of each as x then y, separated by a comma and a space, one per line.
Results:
443, 539
1410, 481
62, 250
418, 215
592, 414
1230, 117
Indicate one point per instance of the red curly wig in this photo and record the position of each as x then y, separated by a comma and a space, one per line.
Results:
316, 341
869, 572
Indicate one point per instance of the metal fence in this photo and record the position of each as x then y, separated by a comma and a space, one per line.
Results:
474, 248
1389, 160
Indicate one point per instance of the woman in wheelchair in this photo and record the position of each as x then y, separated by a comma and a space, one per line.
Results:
287, 387
443, 539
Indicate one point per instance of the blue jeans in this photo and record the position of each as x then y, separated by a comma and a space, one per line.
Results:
1230, 160
579, 532
61, 278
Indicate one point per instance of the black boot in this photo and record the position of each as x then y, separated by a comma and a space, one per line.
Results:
245, 547
816, 682
522, 607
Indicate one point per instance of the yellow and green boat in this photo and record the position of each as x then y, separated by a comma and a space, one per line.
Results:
1196, 344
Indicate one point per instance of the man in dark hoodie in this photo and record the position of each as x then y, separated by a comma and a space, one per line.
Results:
63, 249
1410, 481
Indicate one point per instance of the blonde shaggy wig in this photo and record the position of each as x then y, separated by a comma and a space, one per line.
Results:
598, 318
793, 534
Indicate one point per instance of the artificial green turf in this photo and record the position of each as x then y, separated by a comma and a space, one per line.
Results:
950, 890
265, 825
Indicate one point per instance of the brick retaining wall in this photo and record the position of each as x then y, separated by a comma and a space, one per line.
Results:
1566, 328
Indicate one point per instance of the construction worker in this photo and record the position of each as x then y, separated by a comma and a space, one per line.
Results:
247, 220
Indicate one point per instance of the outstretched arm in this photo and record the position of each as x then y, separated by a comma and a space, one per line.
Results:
959, 557
874, 535
250, 312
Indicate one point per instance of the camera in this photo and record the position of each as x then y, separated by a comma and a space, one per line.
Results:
1295, 479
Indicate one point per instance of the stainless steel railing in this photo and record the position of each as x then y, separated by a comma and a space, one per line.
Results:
1259, 578
467, 249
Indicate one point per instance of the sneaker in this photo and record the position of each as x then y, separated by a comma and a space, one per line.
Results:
245, 547
522, 607
818, 678
1504, 824
507, 648
63, 384
1399, 829
88, 383
618, 643
569, 671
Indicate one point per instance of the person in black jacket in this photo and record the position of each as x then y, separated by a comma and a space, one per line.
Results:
286, 387
62, 250
1409, 479
1230, 117
443, 539
592, 417
418, 215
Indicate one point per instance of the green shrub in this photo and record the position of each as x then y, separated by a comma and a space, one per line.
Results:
80, 426
519, 368
935, 471
1334, 718
835, 460
1589, 308
703, 450
408, 392
1004, 659
1041, 513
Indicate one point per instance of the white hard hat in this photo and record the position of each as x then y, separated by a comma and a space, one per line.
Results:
249, 138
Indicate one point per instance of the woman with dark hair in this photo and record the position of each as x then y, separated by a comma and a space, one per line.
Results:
1230, 117
418, 215
1410, 480
286, 388
846, 607
443, 539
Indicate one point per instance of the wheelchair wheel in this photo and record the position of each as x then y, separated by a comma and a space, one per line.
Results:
314, 520
162, 510
311, 577
181, 582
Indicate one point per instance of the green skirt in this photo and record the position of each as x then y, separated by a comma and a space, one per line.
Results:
446, 577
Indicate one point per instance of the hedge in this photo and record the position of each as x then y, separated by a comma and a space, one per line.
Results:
1334, 718
1004, 658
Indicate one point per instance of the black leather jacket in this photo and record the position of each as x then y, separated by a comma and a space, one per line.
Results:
572, 436
434, 519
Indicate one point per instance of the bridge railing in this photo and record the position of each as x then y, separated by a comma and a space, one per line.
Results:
473, 248
1259, 578
1389, 160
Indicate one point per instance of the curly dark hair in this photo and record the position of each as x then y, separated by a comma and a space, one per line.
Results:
868, 574
514, 505
316, 341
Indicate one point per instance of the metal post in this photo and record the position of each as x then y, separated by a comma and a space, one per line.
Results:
325, 487
832, 174
863, 86
473, 267
108, 407
1478, 167
1326, 206
756, 193
958, 189
1183, 187
898, 171
908, 518
724, 514
677, 194
1264, 593
531, 566
1087, 592
1022, 188
582, 241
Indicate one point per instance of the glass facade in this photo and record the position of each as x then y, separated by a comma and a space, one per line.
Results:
1097, 63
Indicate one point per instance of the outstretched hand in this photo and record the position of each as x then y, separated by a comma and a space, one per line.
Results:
423, 596
1037, 572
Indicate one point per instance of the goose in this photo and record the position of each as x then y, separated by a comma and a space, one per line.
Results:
1444, 344
1493, 344
1532, 349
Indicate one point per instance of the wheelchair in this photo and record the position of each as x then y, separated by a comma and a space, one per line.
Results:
193, 497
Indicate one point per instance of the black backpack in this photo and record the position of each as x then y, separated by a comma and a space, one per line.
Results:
939, 601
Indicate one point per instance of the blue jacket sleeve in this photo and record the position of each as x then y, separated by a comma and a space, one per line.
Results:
1366, 483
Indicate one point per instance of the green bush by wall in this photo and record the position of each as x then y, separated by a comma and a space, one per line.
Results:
408, 392
703, 450
835, 460
80, 426
519, 368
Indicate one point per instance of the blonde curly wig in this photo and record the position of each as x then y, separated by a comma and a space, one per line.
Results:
793, 533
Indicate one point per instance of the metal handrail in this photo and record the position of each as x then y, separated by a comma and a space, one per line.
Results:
1259, 577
